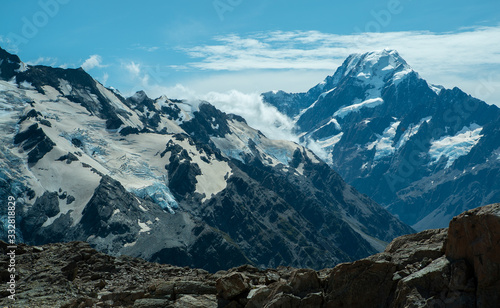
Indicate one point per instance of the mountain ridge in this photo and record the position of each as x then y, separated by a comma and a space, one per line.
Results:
399, 128
171, 181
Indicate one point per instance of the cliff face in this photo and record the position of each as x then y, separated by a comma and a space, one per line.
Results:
454, 267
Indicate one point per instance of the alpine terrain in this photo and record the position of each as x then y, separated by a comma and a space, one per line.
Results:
172, 181
454, 267
424, 152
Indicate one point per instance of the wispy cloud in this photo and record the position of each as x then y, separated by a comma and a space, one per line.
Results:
149, 49
104, 78
43, 61
316, 50
461, 58
259, 115
133, 68
92, 62
144, 48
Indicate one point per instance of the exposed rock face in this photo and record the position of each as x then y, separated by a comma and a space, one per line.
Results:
474, 236
455, 267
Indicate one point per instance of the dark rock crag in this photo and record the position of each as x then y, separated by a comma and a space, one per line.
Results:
454, 267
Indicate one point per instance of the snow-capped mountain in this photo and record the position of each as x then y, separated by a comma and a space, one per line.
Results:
425, 152
168, 180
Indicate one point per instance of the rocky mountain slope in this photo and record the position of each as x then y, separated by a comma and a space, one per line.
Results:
425, 152
170, 181
454, 267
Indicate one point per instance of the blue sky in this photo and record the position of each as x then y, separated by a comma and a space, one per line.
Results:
188, 48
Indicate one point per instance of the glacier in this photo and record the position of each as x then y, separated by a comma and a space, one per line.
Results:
453, 147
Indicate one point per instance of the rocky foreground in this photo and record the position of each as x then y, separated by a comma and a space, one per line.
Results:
454, 267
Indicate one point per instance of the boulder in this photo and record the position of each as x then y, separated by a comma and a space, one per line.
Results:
474, 236
232, 285
371, 279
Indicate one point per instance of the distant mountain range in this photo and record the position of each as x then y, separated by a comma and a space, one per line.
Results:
424, 152
173, 181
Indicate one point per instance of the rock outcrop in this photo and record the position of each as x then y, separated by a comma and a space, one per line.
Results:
474, 237
454, 267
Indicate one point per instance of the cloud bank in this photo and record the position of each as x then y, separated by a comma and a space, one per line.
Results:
469, 58
316, 50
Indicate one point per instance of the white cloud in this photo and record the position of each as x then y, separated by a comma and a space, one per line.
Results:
104, 78
258, 81
316, 50
250, 106
469, 58
133, 68
258, 115
43, 61
151, 81
92, 62
8, 44
149, 49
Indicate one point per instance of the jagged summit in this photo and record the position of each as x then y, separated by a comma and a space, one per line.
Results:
9, 65
139, 95
370, 66
399, 139
373, 71
376, 65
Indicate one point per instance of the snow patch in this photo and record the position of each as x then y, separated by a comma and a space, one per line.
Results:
330, 142
322, 95
436, 89
187, 110
332, 120
369, 103
144, 226
401, 75
383, 144
312, 157
22, 67
65, 87
453, 147
132, 119
213, 174
300, 168
130, 244
411, 131
26, 85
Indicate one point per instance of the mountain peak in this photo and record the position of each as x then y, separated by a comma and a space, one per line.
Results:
9, 65
139, 96
381, 64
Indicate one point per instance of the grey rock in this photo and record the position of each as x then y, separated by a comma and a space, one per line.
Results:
232, 285
152, 303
